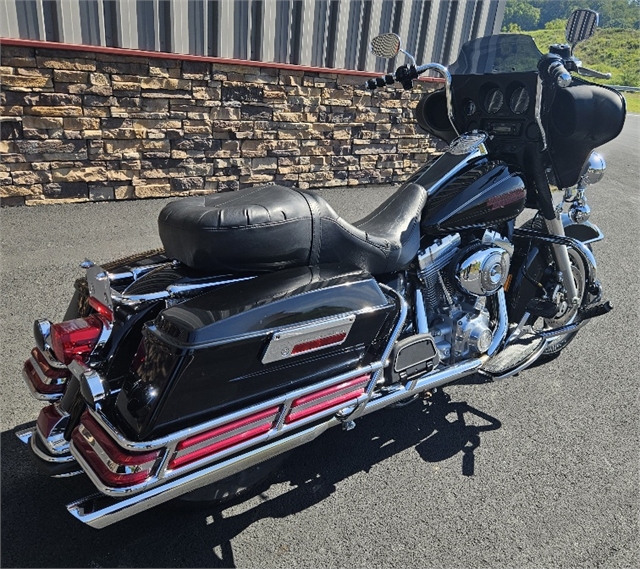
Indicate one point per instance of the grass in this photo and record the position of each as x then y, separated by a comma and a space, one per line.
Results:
633, 102
610, 50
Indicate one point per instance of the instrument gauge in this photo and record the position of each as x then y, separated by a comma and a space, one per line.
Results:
519, 101
493, 101
469, 108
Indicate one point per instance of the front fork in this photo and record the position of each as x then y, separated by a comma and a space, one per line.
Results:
556, 227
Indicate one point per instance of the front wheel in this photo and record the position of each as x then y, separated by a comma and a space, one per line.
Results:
568, 313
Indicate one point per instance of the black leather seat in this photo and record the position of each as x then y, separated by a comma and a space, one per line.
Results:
272, 227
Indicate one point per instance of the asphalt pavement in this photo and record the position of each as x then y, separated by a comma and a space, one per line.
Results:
537, 471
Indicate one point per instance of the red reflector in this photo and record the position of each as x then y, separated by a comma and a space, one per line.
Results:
327, 398
101, 309
263, 422
119, 467
75, 338
49, 380
48, 419
318, 343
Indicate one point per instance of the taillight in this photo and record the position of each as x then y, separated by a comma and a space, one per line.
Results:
318, 401
221, 438
100, 308
114, 466
75, 338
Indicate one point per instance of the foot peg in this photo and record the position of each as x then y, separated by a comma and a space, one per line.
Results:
597, 310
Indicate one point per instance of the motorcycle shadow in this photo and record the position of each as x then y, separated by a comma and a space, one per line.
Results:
33, 510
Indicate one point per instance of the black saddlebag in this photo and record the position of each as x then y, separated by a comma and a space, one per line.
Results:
249, 341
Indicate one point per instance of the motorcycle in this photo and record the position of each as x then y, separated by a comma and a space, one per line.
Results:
268, 319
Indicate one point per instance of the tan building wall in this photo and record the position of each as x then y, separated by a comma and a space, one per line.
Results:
86, 125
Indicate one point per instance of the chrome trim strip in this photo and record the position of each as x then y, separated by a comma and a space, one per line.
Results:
284, 341
538, 112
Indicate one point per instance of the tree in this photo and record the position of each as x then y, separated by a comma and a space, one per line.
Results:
521, 13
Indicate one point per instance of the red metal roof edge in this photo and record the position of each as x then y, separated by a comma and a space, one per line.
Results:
186, 57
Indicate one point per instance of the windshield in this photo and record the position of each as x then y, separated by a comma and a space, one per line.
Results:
504, 53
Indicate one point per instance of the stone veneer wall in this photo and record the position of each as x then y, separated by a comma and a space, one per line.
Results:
82, 126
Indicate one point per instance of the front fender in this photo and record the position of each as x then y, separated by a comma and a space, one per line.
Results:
585, 232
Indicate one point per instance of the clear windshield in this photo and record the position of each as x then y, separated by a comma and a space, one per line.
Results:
504, 53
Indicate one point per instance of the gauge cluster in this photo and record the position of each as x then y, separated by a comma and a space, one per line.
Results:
502, 104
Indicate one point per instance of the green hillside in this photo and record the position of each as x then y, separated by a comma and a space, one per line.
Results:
612, 50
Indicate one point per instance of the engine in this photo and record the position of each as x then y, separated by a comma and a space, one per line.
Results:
458, 282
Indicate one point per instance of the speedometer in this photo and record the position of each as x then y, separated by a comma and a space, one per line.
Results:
493, 101
519, 101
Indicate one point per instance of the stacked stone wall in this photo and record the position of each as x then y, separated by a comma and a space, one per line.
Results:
82, 126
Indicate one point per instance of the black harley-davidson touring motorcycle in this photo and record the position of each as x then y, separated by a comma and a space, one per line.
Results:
267, 318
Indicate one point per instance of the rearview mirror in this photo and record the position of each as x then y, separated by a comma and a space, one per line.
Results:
386, 45
581, 25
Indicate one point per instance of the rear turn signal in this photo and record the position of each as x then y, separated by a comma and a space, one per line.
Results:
115, 466
75, 338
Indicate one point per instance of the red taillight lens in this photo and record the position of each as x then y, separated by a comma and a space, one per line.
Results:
318, 401
75, 338
221, 438
44, 378
115, 466
101, 309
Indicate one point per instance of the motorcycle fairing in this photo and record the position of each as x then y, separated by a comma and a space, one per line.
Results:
206, 356
583, 117
273, 227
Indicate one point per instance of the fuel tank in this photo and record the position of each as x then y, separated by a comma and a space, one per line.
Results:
249, 341
482, 196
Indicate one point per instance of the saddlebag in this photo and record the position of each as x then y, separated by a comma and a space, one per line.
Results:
249, 341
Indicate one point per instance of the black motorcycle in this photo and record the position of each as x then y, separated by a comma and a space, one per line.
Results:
267, 318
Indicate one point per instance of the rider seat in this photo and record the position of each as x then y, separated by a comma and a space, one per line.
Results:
272, 227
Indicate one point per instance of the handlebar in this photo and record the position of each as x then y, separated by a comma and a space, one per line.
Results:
558, 73
406, 75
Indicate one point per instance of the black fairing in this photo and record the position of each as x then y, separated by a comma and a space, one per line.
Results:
483, 196
204, 357
583, 117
